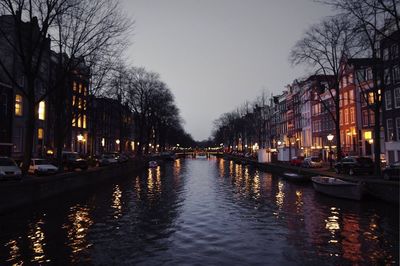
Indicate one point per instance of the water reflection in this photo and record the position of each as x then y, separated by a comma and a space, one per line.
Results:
201, 212
77, 227
116, 202
37, 239
14, 255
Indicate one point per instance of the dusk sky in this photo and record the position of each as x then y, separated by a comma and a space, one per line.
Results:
216, 54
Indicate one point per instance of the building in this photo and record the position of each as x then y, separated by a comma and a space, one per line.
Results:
111, 126
390, 54
14, 90
349, 127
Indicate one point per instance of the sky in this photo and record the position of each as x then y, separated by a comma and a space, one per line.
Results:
216, 54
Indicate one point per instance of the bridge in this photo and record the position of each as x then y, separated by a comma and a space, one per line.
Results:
196, 153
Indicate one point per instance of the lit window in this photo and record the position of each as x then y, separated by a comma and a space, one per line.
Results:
41, 110
80, 88
73, 122
346, 116
40, 133
79, 103
84, 104
352, 117
18, 105
73, 100
74, 87
84, 121
79, 122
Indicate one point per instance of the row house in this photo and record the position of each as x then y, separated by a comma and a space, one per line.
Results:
71, 98
13, 88
349, 133
111, 126
390, 54
321, 115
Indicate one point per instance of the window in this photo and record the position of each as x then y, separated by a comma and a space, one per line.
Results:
84, 105
397, 97
389, 128
79, 103
41, 110
371, 98
74, 86
351, 96
388, 100
344, 81
340, 100
79, 122
17, 139
40, 133
396, 74
371, 118
345, 98
341, 117
346, 116
385, 55
352, 117
395, 51
80, 88
398, 129
386, 76
365, 118
84, 91
73, 100
18, 105
73, 122
84, 121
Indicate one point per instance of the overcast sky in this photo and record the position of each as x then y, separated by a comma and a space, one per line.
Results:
216, 54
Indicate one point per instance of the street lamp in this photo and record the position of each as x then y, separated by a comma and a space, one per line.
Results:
330, 138
279, 143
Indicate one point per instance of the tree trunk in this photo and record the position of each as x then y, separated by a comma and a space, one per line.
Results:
29, 131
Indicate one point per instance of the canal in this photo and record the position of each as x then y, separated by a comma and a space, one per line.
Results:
201, 212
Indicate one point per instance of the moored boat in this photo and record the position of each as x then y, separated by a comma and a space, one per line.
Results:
294, 177
337, 187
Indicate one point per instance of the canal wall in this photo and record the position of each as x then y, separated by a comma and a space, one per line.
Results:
14, 195
385, 190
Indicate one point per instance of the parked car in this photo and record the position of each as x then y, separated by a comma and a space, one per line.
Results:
73, 161
9, 169
312, 162
41, 166
392, 171
107, 159
355, 165
297, 160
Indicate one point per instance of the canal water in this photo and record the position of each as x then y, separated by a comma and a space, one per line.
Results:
201, 212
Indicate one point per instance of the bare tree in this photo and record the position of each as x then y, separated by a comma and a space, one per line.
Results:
372, 20
92, 35
323, 47
29, 43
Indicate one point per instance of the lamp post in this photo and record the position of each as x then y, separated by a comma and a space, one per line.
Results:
330, 138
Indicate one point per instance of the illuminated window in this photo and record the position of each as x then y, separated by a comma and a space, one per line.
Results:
371, 98
84, 91
40, 133
74, 87
18, 105
84, 104
352, 116
346, 116
84, 121
73, 100
74, 122
79, 103
79, 122
80, 88
41, 110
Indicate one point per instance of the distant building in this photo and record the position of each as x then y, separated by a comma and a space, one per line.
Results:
111, 126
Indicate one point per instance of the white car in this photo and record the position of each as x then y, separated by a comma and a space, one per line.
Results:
312, 162
41, 167
9, 169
